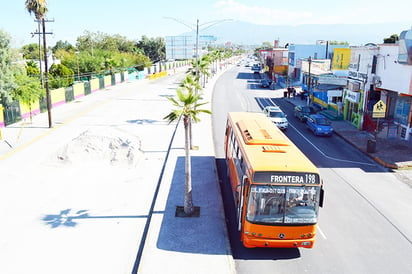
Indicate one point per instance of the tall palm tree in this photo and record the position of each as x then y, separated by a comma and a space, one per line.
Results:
204, 68
39, 8
191, 84
187, 106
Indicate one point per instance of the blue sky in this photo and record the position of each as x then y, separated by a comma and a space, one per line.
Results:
134, 18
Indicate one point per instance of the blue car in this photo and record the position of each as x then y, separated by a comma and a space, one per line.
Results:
319, 125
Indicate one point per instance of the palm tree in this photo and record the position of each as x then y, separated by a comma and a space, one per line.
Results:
191, 84
187, 106
39, 8
204, 68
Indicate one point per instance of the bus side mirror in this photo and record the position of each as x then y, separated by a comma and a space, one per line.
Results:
322, 193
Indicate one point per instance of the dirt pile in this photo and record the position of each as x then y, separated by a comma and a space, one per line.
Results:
101, 147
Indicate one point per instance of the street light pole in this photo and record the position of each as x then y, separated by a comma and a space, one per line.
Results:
197, 49
309, 80
196, 29
78, 68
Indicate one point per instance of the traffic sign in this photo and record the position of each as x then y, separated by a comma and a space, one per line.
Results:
379, 110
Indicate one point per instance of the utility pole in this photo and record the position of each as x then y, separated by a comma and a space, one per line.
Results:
197, 50
309, 80
46, 70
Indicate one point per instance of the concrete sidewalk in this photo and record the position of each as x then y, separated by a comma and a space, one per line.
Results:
173, 244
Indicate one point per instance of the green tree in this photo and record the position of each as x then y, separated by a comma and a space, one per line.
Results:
216, 56
187, 106
28, 91
7, 69
191, 84
154, 48
91, 41
63, 45
61, 76
392, 39
32, 51
32, 69
204, 70
266, 45
99, 53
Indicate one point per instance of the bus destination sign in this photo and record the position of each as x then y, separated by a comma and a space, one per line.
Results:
300, 178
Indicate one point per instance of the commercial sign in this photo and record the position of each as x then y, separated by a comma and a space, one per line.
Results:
353, 96
286, 177
341, 59
356, 75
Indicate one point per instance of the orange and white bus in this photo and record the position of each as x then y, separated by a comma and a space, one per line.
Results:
276, 188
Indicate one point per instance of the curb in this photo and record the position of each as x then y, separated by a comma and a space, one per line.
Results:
375, 158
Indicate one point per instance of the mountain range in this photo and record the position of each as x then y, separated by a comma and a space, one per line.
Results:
243, 33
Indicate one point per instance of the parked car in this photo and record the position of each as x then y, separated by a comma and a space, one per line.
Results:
319, 125
302, 112
256, 68
265, 83
276, 115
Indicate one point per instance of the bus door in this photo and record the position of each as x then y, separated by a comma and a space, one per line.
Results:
241, 195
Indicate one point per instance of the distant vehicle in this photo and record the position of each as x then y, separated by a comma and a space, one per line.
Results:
256, 68
319, 125
276, 115
265, 83
302, 112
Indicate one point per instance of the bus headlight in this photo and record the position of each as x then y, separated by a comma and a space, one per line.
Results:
306, 243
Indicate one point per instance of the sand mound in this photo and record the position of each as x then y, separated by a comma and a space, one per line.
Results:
97, 147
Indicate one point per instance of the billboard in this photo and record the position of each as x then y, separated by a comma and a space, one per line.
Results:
341, 59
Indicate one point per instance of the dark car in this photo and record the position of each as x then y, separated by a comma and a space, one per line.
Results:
302, 112
319, 125
265, 83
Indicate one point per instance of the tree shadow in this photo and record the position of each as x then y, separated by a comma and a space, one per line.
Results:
70, 218
142, 121
205, 234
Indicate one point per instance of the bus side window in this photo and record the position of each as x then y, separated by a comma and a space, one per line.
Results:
237, 194
322, 193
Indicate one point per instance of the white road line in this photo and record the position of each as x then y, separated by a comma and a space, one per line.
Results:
329, 157
321, 233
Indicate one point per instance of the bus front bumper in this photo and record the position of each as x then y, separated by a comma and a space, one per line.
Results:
252, 242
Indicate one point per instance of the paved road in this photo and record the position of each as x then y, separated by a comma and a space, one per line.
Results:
363, 226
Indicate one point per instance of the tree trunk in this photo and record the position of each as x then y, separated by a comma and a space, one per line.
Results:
189, 129
188, 203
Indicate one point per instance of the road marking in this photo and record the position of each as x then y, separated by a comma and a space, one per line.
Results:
321, 233
326, 156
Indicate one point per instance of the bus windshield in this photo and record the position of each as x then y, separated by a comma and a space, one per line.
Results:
274, 205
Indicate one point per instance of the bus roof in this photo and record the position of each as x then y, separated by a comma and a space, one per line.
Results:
266, 147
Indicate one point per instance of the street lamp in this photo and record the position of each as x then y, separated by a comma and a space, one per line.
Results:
309, 80
196, 29
78, 69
